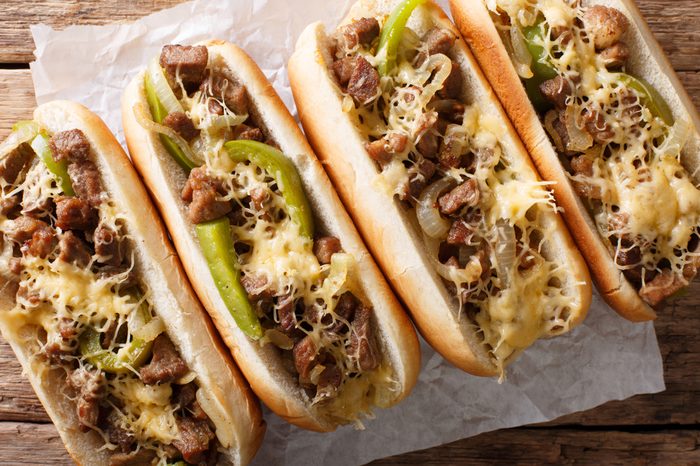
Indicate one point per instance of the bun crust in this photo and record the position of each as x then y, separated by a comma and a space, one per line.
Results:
647, 61
234, 410
388, 229
261, 365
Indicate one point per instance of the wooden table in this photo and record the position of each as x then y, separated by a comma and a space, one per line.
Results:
646, 429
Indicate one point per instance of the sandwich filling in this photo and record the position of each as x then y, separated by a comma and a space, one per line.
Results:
81, 308
285, 285
480, 212
615, 136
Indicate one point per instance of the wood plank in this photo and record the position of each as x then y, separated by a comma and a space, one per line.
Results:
672, 21
16, 44
523, 446
31, 444
532, 446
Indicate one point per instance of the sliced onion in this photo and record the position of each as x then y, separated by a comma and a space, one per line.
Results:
315, 373
165, 94
278, 339
428, 214
521, 55
22, 132
469, 274
505, 249
226, 121
579, 140
442, 65
143, 117
149, 331
678, 136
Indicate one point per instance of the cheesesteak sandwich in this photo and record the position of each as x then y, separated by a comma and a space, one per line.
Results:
438, 183
603, 115
265, 240
97, 308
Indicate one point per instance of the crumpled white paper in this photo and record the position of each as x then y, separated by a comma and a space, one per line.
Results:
606, 358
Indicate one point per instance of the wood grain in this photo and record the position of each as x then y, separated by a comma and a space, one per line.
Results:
16, 44
674, 23
524, 446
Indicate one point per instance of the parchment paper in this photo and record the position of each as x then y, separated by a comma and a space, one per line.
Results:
606, 358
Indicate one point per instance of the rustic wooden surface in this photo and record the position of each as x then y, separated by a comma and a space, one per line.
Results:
646, 429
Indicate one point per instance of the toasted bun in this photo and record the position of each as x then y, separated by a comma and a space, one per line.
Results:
647, 61
262, 365
386, 226
232, 406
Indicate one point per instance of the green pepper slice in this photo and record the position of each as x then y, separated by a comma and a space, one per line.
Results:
649, 97
217, 247
542, 70
285, 174
40, 145
159, 113
392, 31
135, 354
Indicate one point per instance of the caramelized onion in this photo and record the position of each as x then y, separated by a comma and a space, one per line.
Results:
429, 218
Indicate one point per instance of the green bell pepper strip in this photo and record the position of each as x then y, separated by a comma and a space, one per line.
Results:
285, 174
159, 113
40, 145
134, 356
217, 246
542, 70
392, 31
649, 97
26, 125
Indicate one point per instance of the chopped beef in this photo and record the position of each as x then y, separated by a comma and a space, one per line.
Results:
438, 40
616, 55
331, 377
15, 265
325, 247
556, 91
561, 135
460, 232
86, 181
202, 192
583, 165
343, 69
344, 308
452, 87
418, 176
285, 313
360, 32
182, 125
690, 269
597, 127
68, 329
362, 344
428, 145
661, 287
90, 387
185, 61
214, 106
37, 237
304, 353
449, 110
604, 25
15, 162
256, 286
142, 457
117, 435
465, 194
364, 81
628, 255
9, 204
184, 395
73, 249
450, 155
227, 90
258, 197
166, 364
193, 440
71, 145
108, 271
108, 246
247, 133
382, 149
74, 213
197, 411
